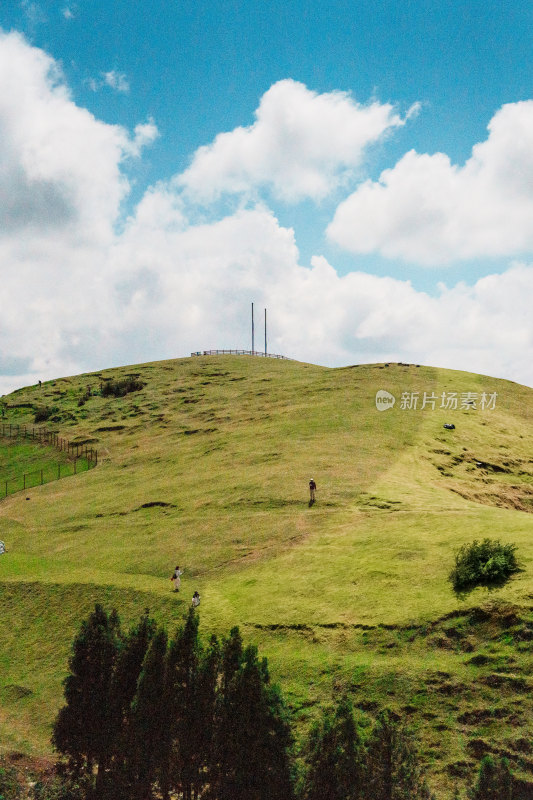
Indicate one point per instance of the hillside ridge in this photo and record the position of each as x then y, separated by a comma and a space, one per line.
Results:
207, 465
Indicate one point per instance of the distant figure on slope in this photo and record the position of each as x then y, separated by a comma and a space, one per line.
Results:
2, 548
195, 600
176, 578
312, 489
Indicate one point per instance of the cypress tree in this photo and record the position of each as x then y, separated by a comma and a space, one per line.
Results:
132, 652
253, 732
349, 752
232, 656
148, 719
131, 655
494, 780
335, 764
187, 716
84, 729
393, 771
206, 709
319, 783
223, 749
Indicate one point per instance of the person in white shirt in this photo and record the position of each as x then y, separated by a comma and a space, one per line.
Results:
176, 578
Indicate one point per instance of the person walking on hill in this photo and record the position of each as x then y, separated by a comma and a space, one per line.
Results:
195, 600
312, 489
176, 578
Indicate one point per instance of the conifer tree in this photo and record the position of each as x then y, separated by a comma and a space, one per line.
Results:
207, 684
132, 651
84, 729
183, 759
187, 718
131, 655
148, 720
223, 756
349, 750
393, 771
335, 764
494, 780
252, 730
319, 781
232, 656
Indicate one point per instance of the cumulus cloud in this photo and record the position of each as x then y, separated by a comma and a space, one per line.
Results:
194, 283
116, 80
430, 211
59, 166
170, 288
301, 145
61, 187
112, 79
78, 292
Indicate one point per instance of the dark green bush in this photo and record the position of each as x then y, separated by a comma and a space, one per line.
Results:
43, 414
58, 787
120, 388
485, 563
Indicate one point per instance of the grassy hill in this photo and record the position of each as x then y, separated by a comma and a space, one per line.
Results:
207, 466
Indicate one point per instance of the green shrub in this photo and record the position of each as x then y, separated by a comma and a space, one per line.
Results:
43, 413
58, 787
485, 563
121, 388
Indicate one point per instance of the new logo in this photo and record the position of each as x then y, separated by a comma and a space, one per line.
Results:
384, 400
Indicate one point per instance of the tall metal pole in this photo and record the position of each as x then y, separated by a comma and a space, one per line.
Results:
252, 328
265, 331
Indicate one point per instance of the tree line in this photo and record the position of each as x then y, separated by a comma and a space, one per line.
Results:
151, 716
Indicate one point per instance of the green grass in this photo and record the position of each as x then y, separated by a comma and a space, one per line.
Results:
207, 466
25, 464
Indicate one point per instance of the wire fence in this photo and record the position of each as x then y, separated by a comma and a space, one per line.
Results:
81, 458
238, 353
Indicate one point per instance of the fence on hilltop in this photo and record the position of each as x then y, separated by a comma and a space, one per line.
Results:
238, 353
78, 452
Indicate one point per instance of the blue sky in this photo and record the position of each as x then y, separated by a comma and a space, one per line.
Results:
372, 186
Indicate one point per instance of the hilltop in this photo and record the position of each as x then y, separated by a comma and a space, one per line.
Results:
207, 466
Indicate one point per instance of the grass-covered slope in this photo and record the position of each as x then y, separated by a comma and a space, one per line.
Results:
207, 466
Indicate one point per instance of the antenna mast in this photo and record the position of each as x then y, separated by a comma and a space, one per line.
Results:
265, 331
252, 328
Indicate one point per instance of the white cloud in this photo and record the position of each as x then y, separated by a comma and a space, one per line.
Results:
116, 81
76, 294
59, 166
169, 288
430, 211
112, 79
144, 134
33, 12
302, 144
191, 286
61, 188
